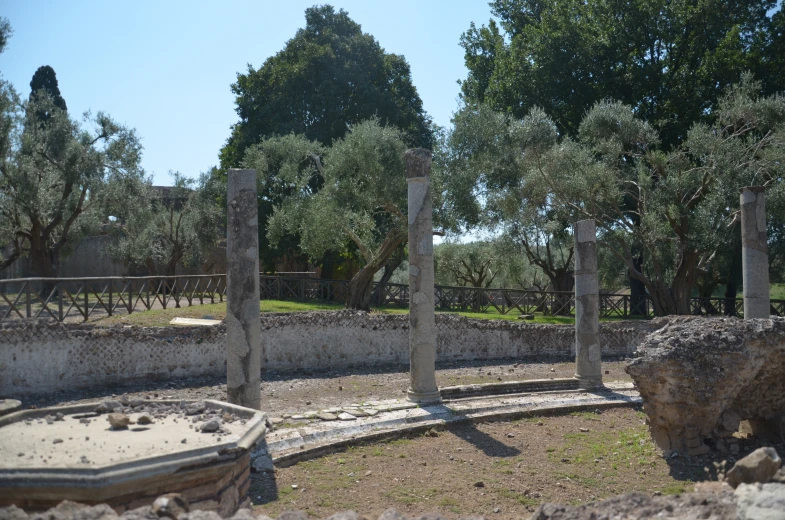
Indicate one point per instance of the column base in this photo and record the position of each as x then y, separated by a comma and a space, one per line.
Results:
588, 383
424, 397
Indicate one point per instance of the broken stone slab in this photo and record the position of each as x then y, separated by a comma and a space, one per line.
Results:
9, 405
343, 416
324, 416
700, 377
194, 322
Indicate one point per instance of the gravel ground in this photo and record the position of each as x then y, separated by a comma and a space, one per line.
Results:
292, 393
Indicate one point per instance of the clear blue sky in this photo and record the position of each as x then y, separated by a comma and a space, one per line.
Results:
164, 67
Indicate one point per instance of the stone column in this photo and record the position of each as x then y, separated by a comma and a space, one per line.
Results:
422, 321
588, 368
243, 323
754, 252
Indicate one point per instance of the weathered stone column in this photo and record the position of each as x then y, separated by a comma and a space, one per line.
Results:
588, 367
243, 325
422, 322
754, 252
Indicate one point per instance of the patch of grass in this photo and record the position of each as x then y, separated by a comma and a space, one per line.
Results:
450, 504
378, 452
676, 488
285, 425
162, 317
410, 496
399, 442
588, 416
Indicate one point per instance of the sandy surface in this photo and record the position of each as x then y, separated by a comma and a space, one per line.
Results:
90, 442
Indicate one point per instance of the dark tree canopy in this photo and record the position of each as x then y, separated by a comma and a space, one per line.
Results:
327, 78
668, 59
46, 79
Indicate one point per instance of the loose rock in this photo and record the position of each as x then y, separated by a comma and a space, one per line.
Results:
118, 421
757, 467
210, 426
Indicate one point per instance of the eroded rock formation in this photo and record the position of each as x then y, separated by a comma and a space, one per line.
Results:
700, 377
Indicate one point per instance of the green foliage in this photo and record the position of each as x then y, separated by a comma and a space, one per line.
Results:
680, 207
668, 60
329, 77
496, 263
491, 184
472, 264
360, 198
58, 179
168, 225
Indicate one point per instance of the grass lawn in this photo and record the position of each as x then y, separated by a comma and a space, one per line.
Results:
161, 317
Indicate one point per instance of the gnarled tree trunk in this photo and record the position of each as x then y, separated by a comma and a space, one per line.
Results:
361, 284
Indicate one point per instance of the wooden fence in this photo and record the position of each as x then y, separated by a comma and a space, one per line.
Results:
62, 299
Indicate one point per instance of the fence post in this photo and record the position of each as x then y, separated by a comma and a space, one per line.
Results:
60, 302
28, 307
111, 285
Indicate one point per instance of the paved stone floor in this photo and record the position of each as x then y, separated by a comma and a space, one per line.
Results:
310, 433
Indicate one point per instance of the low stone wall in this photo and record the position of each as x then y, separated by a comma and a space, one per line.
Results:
44, 357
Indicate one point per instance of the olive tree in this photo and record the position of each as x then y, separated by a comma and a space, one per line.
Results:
168, 225
492, 163
56, 176
680, 207
350, 195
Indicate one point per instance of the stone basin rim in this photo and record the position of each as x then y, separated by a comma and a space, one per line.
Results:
98, 477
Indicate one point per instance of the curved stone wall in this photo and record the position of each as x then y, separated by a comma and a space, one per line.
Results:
43, 357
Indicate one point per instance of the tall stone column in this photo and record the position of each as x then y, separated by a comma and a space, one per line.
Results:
588, 367
754, 252
243, 323
422, 321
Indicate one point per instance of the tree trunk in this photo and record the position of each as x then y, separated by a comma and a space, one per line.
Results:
360, 289
734, 276
151, 269
171, 268
661, 299
392, 264
42, 261
562, 281
361, 284
637, 289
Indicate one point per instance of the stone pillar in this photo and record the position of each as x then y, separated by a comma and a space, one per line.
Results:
588, 367
422, 321
243, 323
754, 252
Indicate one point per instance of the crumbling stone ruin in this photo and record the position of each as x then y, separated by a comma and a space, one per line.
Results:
699, 378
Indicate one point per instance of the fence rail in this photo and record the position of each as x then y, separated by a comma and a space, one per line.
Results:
63, 299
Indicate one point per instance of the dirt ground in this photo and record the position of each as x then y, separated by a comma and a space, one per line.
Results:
293, 393
498, 470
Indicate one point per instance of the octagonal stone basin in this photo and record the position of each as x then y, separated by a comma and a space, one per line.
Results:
82, 458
